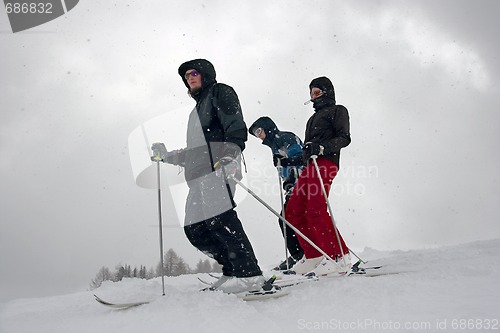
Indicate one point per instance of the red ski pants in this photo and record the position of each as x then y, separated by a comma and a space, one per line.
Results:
307, 210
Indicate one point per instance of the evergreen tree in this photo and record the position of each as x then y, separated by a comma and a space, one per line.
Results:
142, 272
120, 273
101, 276
216, 267
173, 265
182, 267
203, 266
151, 273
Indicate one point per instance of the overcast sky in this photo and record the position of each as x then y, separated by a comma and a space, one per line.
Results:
419, 78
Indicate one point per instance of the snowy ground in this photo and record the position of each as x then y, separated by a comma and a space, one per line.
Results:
439, 290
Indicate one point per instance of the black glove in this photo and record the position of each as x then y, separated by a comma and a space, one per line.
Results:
287, 162
288, 185
159, 152
276, 160
311, 149
280, 158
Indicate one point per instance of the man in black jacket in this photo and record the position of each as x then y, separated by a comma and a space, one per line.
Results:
327, 131
286, 149
216, 136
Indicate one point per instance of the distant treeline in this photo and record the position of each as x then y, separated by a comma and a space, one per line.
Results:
173, 265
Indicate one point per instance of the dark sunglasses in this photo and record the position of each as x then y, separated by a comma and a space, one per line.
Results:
194, 73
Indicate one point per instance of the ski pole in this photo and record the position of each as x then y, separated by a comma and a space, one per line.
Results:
314, 157
297, 231
157, 158
360, 261
280, 168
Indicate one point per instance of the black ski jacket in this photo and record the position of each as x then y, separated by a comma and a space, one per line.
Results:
329, 127
216, 127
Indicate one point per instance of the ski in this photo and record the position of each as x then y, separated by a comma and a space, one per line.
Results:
269, 290
204, 282
355, 268
119, 305
309, 277
292, 280
288, 278
262, 294
372, 272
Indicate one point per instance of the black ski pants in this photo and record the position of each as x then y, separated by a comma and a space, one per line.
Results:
292, 241
221, 237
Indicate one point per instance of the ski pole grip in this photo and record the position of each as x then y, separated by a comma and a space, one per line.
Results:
157, 157
156, 153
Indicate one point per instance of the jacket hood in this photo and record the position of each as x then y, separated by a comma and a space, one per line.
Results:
265, 123
269, 127
328, 98
203, 66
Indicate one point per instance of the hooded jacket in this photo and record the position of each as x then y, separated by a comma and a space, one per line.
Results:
285, 144
329, 125
281, 143
216, 127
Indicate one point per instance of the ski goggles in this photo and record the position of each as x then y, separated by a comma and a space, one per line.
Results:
258, 131
193, 73
316, 92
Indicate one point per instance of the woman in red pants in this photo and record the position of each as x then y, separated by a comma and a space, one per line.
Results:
327, 131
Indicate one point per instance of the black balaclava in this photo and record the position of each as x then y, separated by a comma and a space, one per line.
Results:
328, 97
206, 69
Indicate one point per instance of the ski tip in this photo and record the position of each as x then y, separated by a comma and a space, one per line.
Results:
310, 275
98, 299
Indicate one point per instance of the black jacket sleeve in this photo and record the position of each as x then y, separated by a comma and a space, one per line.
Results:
342, 136
231, 117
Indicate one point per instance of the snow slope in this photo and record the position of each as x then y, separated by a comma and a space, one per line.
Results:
437, 290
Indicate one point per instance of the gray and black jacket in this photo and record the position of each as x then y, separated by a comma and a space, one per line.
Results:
216, 127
